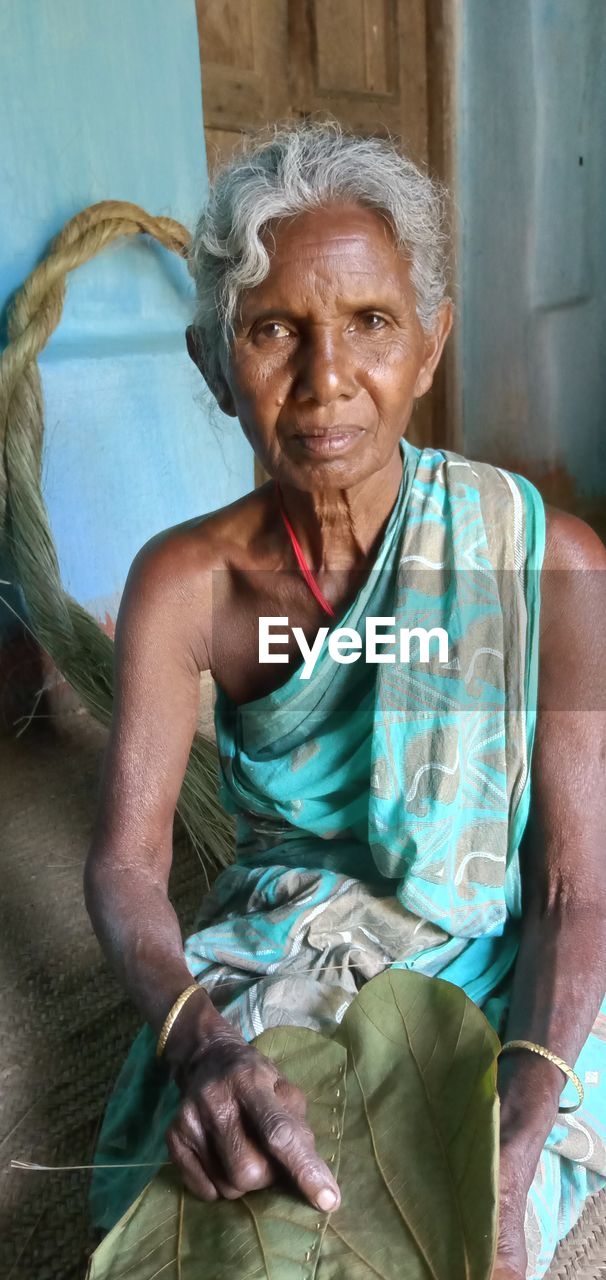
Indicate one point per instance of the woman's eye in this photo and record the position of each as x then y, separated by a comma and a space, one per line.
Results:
373, 321
368, 321
273, 329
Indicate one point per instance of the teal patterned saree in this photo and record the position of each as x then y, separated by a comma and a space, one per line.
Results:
379, 811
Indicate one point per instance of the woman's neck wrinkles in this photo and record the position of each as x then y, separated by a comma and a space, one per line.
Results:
338, 528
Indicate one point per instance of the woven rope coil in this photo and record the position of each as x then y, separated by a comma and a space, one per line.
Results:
82, 652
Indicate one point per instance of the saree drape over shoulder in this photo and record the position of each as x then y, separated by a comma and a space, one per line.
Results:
379, 813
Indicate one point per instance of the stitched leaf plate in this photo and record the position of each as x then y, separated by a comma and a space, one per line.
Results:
403, 1104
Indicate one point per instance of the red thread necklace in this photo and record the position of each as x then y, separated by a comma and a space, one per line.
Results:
301, 561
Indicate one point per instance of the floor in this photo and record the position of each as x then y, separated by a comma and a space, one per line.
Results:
64, 1023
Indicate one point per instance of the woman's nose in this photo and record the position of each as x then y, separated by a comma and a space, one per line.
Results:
324, 372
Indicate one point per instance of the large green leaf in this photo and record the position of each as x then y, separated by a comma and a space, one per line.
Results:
403, 1104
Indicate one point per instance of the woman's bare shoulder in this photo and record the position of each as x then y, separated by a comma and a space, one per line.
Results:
188, 551
570, 543
170, 584
573, 585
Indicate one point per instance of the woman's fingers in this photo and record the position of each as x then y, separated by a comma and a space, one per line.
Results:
188, 1163
244, 1122
190, 1148
214, 1135
290, 1143
240, 1164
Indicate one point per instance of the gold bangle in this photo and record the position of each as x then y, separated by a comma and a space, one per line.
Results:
172, 1016
557, 1062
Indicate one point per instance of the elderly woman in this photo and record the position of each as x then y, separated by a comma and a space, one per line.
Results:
381, 806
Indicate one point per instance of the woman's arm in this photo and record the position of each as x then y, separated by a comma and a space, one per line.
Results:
560, 974
240, 1121
157, 660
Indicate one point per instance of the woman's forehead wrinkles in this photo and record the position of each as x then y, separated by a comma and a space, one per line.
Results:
328, 270
332, 274
322, 284
342, 247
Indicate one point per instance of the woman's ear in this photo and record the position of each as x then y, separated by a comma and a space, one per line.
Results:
211, 372
434, 346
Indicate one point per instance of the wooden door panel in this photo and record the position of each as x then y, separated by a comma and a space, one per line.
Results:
238, 100
228, 33
363, 61
358, 63
243, 51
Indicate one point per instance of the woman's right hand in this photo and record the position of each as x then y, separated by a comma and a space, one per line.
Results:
241, 1124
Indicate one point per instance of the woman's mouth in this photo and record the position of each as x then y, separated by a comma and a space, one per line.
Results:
326, 443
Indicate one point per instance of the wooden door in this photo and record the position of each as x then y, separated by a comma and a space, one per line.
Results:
378, 66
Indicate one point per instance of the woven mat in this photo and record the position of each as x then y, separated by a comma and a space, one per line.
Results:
65, 1026
582, 1255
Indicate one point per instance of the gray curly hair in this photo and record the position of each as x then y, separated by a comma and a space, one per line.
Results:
291, 170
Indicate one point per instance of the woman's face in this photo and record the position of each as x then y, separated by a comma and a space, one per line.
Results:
328, 354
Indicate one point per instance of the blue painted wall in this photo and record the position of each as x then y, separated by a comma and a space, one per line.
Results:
103, 101
531, 140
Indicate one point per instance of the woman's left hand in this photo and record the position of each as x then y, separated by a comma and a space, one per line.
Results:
511, 1260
